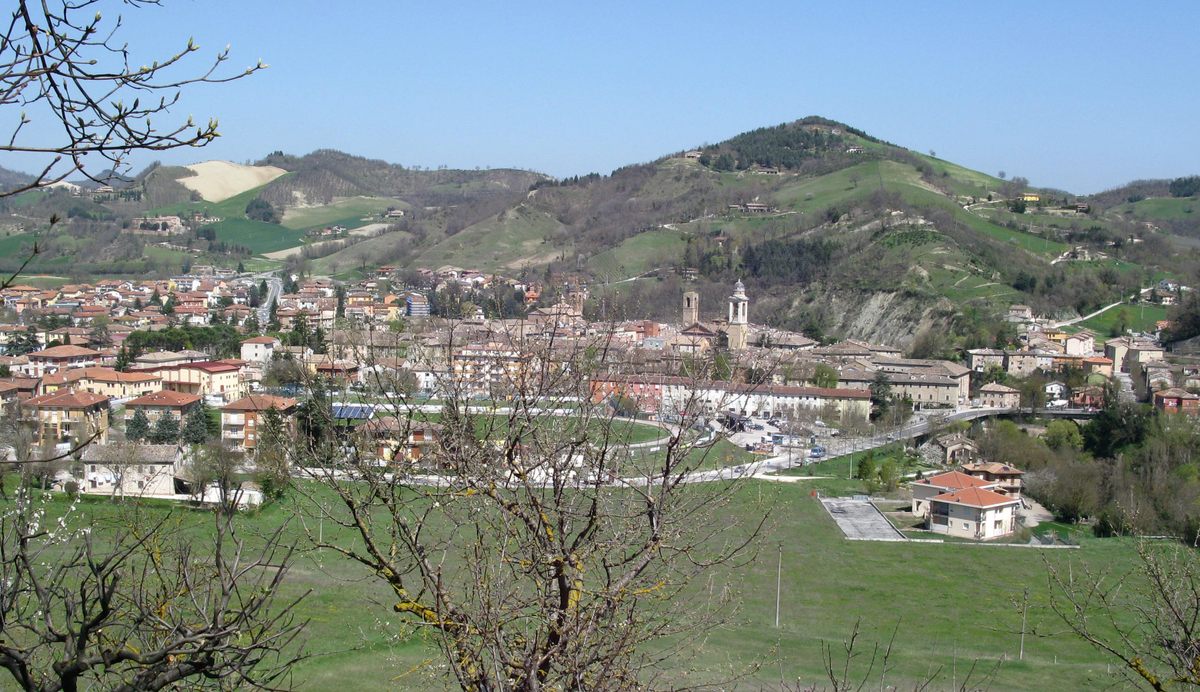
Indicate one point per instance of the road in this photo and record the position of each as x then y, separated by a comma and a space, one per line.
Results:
1067, 323
274, 290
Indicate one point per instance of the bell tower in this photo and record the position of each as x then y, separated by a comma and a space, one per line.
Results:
739, 317
691, 308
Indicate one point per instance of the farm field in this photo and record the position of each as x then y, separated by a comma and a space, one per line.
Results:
348, 212
828, 585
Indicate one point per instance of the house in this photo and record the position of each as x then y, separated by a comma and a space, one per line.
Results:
57, 358
211, 380
106, 382
259, 349
131, 470
957, 448
1055, 390
996, 395
1080, 344
393, 439
1008, 479
1019, 313
1176, 400
69, 415
925, 489
1088, 397
155, 404
974, 513
239, 419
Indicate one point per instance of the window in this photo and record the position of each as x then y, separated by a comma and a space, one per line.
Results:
998, 525
966, 525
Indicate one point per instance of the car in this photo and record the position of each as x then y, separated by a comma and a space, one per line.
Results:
819, 423
891, 437
834, 432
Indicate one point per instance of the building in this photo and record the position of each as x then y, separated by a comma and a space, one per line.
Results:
489, 369
737, 332
240, 419
393, 439
996, 395
1008, 479
69, 415
1176, 400
672, 395
974, 513
957, 448
259, 349
155, 404
925, 489
416, 305
131, 470
107, 382
221, 382
691, 308
57, 358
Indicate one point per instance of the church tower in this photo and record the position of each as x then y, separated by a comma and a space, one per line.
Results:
739, 317
691, 308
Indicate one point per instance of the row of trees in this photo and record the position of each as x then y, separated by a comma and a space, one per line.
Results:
195, 430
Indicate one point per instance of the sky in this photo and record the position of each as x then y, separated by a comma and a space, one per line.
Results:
1081, 96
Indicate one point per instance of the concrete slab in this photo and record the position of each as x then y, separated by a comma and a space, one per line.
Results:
859, 519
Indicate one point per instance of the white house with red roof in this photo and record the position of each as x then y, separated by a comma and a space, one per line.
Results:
975, 513
958, 504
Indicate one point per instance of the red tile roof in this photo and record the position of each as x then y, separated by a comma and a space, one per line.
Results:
260, 402
64, 352
975, 497
955, 480
66, 398
166, 397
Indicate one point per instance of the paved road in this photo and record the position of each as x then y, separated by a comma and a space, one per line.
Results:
860, 519
274, 290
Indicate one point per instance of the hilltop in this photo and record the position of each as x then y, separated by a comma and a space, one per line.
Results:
834, 231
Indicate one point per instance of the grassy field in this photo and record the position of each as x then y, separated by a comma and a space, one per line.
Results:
1169, 208
260, 237
639, 254
953, 603
16, 243
1140, 318
515, 238
348, 212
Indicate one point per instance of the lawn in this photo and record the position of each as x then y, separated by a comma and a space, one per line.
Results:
639, 254
954, 603
258, 236
1141, 318
1166, 208
348, 212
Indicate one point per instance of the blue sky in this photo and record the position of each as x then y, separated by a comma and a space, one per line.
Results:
1082, 96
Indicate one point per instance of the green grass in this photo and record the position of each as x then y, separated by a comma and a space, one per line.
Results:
258, 236
638, 254
1139, 317
16, 243
515, 238
348, 212
953, 603
1165, 208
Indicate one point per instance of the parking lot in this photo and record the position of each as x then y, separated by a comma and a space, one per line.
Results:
858, 518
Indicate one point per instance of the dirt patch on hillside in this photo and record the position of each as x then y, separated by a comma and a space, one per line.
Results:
217, 181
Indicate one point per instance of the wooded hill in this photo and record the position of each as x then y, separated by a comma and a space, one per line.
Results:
834, 231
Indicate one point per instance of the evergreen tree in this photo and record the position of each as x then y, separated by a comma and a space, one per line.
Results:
23, 343
99, 337
138, 427
251, 324
195, 427
241, 268
273, 317
166, 430
271, 452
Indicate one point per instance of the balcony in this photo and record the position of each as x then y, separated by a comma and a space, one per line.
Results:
238, 419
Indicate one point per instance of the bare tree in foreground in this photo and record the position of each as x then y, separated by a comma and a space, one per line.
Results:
1147, 618
533, 543
62, 63
139, 606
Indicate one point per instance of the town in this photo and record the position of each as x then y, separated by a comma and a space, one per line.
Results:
83, 378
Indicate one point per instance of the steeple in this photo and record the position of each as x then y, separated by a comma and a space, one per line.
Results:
739, 317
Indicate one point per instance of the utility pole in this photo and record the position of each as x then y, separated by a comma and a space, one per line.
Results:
1024, 612
779, 585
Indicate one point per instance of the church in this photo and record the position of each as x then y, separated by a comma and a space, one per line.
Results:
733, 333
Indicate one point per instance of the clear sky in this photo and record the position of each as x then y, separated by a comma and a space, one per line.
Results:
1077, 95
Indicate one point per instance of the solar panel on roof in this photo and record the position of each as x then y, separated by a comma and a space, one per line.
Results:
352, 411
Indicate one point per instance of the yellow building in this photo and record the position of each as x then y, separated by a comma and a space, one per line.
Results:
69, 415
